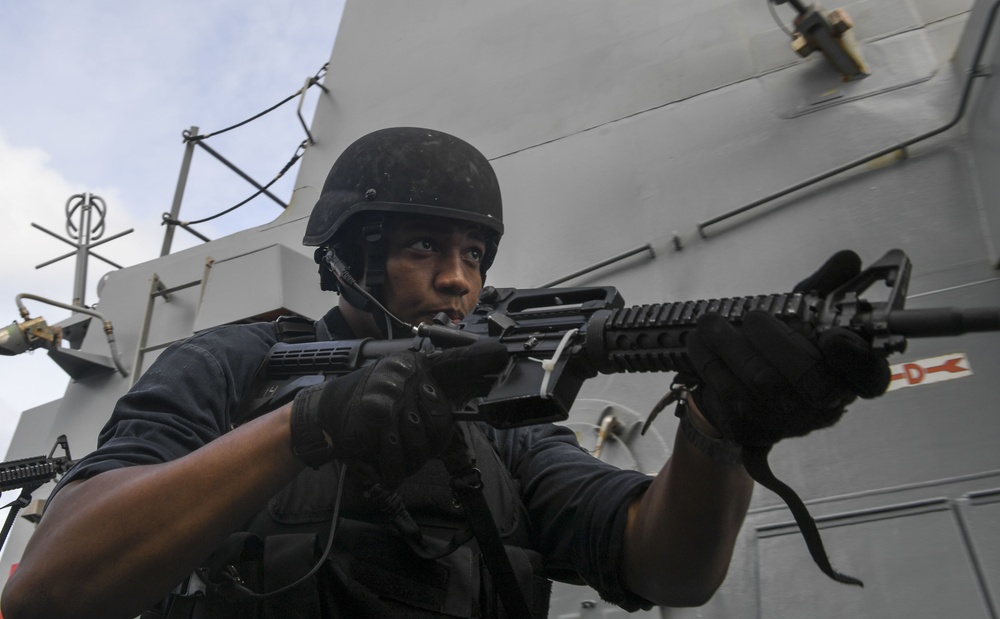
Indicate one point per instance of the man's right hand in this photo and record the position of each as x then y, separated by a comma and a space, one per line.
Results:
391, 417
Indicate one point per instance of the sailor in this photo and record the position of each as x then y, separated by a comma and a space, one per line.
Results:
342, 502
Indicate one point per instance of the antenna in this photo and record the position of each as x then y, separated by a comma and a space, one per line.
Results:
84, 206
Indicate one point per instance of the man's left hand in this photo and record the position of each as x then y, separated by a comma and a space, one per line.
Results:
763, 381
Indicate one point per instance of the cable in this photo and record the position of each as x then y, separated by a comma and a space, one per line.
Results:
777, 20
326, 551
313, 80
299, 151
344, 276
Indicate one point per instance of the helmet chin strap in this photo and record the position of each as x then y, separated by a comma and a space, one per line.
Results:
356, 295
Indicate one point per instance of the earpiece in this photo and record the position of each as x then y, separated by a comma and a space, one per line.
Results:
337, 266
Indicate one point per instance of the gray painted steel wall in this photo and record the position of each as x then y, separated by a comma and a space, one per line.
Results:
613, 125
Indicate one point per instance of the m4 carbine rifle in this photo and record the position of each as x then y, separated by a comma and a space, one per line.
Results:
559, 337
30, 474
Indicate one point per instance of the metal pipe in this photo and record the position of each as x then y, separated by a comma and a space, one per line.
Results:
85, 204
638, 250
73, 253
92, 245
866, 514
109, 331
963, 102
166, 292
310, 81
977, 562
155, 285
175, 207
231, 166
189, 229
298, 111
931, 483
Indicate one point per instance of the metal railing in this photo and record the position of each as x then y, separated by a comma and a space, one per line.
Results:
192, 139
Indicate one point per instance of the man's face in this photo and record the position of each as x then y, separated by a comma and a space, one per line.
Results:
432, 266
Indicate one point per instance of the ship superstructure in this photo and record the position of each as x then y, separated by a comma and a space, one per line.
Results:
677, 151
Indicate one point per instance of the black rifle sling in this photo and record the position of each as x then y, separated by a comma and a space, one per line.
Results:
754, 459
295, 329
467, 484
23, 500
755, 462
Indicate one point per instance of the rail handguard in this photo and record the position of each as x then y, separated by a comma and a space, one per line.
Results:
30, 474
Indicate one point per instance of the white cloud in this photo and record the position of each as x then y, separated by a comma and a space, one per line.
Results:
93, 98
32, 192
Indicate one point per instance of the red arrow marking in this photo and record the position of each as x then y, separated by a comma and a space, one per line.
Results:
951, 366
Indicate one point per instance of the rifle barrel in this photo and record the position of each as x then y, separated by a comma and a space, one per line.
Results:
943, 321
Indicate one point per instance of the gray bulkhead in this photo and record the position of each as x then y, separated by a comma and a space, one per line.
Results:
616, 125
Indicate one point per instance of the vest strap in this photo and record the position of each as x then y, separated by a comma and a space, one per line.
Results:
467, 484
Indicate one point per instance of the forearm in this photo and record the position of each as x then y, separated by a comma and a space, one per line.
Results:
111, 545
681, 532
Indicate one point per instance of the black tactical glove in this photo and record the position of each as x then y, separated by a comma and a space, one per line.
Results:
762, 381
390, 418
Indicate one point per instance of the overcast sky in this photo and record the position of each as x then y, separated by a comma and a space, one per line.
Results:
94, 97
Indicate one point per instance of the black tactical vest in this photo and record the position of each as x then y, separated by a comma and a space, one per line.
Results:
371, 570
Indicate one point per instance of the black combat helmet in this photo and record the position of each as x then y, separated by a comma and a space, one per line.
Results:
405, 170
